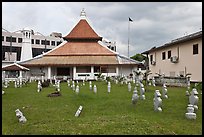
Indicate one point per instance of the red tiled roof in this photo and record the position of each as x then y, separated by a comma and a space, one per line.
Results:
80, 49
82, 31
72, 60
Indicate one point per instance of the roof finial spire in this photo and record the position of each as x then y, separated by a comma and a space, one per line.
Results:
83, 14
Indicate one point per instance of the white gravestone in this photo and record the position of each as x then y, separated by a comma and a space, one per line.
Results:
6, 84
90, 87
153, 81
19, 115
188, 88
39, 86
68, 83
42, 79
157, 101
190, 112
95, 89
129, 87
193, 98
3, 92
109, 87
58, 86
83, 83
15, 83
142, 91
73, 86
78, 112
164, 91
135, 96
116, 81
77, 89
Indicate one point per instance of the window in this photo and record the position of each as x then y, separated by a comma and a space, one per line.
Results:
58, 42
37, 41
47, 42
83, 69
32, 41
151, 58
163, 56
20, 40
53, 43
96, 69
169, 54
8, 39
195, 49
42, 42
13, 39
2, 38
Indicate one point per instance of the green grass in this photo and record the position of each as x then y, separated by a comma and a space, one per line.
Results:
103, 113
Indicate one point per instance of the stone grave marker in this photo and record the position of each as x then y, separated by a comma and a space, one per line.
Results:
78, 112
164, 91
39, 86
142, 91
193, 98
135, 96
129, 87
109, 87
190, 112
77, 89
157, 101
95, 89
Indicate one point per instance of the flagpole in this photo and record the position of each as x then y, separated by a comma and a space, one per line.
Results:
128, 36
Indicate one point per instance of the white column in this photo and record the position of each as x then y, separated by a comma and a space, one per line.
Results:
74, 72
92, 72
49, 72
20, 74
117, 71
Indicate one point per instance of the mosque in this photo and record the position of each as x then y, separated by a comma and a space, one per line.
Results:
81, 55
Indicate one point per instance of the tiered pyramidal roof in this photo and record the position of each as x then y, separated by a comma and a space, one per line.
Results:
82, 48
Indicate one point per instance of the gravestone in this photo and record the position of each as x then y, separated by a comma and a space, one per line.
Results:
129, 87
95, 89
142, 91
58, 85
116, 81
109, 87
78, 112
15, 83
42, 79
190, 112
39, 86
157, 101
90, 87
19, 115
83, 83
77, 89
193, 98
68, 83
6, 83
135, 96
164, 91
3, 92
153, 81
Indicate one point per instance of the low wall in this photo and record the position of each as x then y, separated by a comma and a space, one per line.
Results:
172, 81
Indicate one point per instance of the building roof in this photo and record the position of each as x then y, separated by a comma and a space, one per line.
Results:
125, 60
80, 48
176, 41
83, 48
71, 60
15, 67
82, 31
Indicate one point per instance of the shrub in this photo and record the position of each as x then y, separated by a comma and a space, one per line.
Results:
45, 83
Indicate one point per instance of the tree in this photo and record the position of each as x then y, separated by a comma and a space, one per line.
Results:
138, 57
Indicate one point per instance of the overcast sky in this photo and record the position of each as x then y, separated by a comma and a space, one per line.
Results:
154, 23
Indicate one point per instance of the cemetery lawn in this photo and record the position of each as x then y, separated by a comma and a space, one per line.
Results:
103, 113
